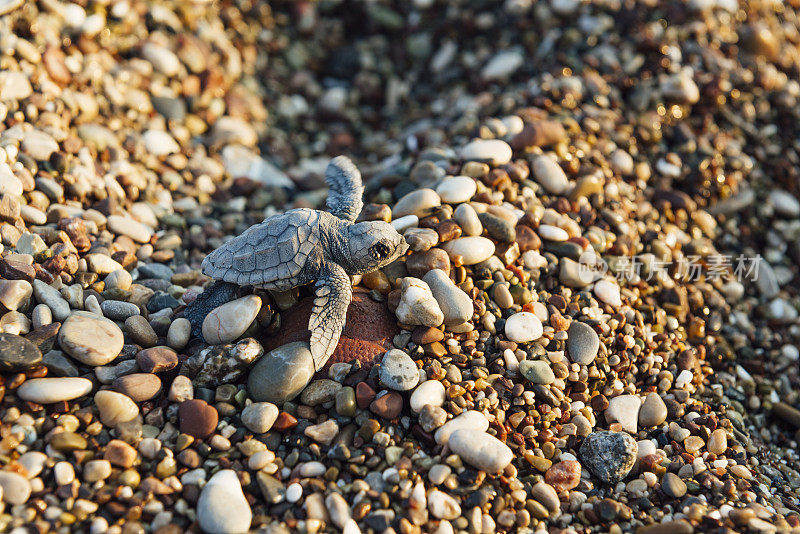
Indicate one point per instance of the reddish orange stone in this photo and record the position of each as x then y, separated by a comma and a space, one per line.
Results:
367, 333
564, 475
284, 422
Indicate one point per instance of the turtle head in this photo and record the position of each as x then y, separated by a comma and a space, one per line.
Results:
372, 245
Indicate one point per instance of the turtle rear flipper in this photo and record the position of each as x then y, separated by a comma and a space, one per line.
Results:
345, 189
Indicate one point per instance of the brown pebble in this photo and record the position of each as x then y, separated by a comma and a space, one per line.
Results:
364, 395
139, 386
564, 475
284, 422
120, 453
157, 359
197, 418
388, 406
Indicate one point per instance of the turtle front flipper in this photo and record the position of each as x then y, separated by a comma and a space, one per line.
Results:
333, 295
345, 189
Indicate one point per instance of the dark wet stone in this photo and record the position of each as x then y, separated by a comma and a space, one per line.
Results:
17, 353
161, 301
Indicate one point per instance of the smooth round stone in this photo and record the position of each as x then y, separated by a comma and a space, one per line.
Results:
119, 279
443, 506
229, 321
416, 203
90, 339
717, 442
259, 416
402, 224
281, 374
33, 462
552, 233
39, 145
50, 390
197, 418
420, 239
179, 333
523, 327
784, 203
546, 495
550, 175
455, 304
653, 411
471, 419
319, 392
471, 249
102, 264
398, 371
49, 295
457, 189
430, 392
608, 292
164, 60
480, 450
129, 227
119, 310
417, 305
138, 386
673, 486
582, 343
222, 507
502, 65
624, 409
115, 408
17, 353
609, 455
15, 294
14, 488
467, 218
160, 143
493, 151
537, 371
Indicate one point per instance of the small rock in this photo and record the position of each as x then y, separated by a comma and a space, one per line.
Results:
50, 390
259, 416
502, 65
179, 333
229, 321
17, 353
443, 506
608, 292
138, 386
417, 305
159, 143
468, 220
398, 371
387, 406
156, 359
222, 364
653, 411
281, 374
197, 418
673, 486
15, 294
550, 175
222, 507
609, 455
430, 392
323, 432
90, 339
14, 488
470, 250
129, 227
624, 409
456, 189
480, 450
564, 475
471, 419
115, 408
523, 327
417, 203
537, 371
582, 343
492, 151
50, 296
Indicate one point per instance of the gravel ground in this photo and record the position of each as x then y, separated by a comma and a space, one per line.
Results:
595, 329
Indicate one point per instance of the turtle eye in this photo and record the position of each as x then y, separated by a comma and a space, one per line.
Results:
379, 251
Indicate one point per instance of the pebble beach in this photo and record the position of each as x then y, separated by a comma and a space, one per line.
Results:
595, 327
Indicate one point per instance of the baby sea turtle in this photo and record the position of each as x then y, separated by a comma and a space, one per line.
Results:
304, 245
